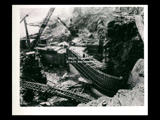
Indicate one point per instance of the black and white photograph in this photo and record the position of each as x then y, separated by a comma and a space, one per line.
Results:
79, 56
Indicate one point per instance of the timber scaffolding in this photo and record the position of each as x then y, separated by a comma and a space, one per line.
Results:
105, 83
78, 97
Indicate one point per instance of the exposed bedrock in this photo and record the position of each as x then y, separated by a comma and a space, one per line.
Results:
125, 47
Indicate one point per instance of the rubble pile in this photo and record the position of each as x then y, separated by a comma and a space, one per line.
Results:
134, 97
55, 101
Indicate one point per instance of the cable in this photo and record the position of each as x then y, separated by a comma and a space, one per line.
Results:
32, 11
28, 14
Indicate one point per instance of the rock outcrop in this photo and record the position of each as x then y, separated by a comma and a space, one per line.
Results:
137, 74
133, 96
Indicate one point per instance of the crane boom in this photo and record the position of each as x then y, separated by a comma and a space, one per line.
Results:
63, 23
44, 24
27, 34
73, 31
24, 18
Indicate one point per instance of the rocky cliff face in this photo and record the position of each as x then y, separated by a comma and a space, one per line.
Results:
125, 47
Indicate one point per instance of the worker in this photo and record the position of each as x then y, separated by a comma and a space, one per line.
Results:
83, 55
71, 24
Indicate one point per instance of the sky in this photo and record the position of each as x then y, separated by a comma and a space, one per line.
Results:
40, 13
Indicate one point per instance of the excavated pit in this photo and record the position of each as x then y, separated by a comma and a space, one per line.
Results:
124, 44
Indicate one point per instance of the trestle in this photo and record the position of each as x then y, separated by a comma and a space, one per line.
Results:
64, 93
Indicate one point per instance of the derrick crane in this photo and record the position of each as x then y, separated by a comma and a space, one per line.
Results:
28, 14
27, 34
24, 18
44, 24
25, 24
73, 30
63, 23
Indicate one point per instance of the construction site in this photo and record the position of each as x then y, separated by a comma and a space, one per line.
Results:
90, 58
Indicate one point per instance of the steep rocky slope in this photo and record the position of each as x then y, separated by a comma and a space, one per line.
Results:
125, 47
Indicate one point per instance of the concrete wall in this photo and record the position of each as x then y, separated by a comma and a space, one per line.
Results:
49, 58
61, 59
73, 69
52, 57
